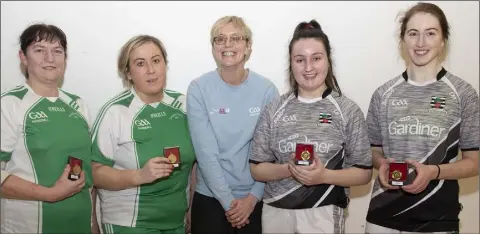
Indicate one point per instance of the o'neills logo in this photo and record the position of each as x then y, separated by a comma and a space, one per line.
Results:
412, 126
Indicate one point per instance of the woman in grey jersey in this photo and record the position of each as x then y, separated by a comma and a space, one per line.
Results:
42, 125
422, 117
310, 199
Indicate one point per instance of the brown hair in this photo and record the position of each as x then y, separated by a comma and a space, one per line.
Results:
124, 56
312, 29
430, 8
41, 32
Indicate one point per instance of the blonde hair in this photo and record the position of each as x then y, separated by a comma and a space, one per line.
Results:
124, 55
237, 22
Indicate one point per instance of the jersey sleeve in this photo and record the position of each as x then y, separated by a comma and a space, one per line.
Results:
9, 126
105, 137
469, 125
83, 109
374, 132
206, 147
260, 148
357, 145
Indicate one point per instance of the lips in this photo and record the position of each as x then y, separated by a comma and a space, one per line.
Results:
228, 53
420, 52
49, 68
152, 80
309, 76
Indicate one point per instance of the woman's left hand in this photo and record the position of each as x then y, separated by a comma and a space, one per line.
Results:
309, 175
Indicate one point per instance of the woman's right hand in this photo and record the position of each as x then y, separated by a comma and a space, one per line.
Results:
64, 187
154, 169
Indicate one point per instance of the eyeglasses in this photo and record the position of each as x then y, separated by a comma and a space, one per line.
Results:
220, 40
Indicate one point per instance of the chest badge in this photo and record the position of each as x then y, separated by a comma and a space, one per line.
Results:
437, 102
325, 118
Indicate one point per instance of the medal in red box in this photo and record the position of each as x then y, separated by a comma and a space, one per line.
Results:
304, 154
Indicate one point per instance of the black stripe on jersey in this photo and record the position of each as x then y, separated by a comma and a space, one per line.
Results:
440, 74
469, 149
258, 162
427, 215
363, 166
307, 196
373, 145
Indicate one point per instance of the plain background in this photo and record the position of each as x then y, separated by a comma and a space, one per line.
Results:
363, 36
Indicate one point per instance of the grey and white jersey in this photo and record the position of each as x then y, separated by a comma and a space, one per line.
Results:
428, 124
336, 127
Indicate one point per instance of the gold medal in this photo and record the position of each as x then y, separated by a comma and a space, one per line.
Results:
172, 158
305, 155
396, 175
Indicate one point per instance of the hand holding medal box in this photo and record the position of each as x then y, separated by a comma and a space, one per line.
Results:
304, 154
173, 155
75, 168
397, 173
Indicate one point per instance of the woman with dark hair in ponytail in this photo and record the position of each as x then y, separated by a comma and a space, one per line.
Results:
310, 198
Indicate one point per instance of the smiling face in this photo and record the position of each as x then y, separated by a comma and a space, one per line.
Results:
230, 46
310, 64
147, 69
423, 39
44, 61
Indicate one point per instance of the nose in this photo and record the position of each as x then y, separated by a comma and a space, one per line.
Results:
48, 56
228, 42
421, 40
308, 66
150, 68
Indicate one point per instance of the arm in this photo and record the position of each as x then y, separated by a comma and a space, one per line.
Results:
109, 178
104, 145
17, 188
464, 168
14, 187
206, 147
377, 157
259, 186
358, 156
262, 159
467, 166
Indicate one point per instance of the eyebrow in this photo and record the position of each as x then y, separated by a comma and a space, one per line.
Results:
144, 59
436, 29
301, 55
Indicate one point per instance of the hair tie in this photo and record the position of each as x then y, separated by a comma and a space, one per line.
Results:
308, 26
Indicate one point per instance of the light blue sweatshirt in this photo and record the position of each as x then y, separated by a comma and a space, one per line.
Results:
222, 119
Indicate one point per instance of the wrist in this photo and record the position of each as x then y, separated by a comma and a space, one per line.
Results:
434, 171
325, 177
47, 194
136, 179
285, 171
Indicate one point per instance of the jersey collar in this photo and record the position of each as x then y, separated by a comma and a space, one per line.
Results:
440, 74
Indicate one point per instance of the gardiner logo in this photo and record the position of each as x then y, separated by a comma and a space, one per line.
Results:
410, 125
288, 145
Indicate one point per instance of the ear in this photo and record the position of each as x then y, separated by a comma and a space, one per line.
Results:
23, 58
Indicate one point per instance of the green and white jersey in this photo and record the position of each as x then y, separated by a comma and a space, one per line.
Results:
126, 134
38, 135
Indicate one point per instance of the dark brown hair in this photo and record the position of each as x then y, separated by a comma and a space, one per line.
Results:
41, 32
313, 30
430, 8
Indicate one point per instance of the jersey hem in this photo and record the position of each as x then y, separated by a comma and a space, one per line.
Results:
434, 226
470, 149
258, 162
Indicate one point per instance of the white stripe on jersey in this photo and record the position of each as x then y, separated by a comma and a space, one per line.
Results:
104, 109
440, 184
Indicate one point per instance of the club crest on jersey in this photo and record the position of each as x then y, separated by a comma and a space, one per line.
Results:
437, 102
325, 118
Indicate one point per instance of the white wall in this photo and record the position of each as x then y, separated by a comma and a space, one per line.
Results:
363, 36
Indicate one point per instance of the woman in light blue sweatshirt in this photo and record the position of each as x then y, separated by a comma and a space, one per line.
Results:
223, 107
